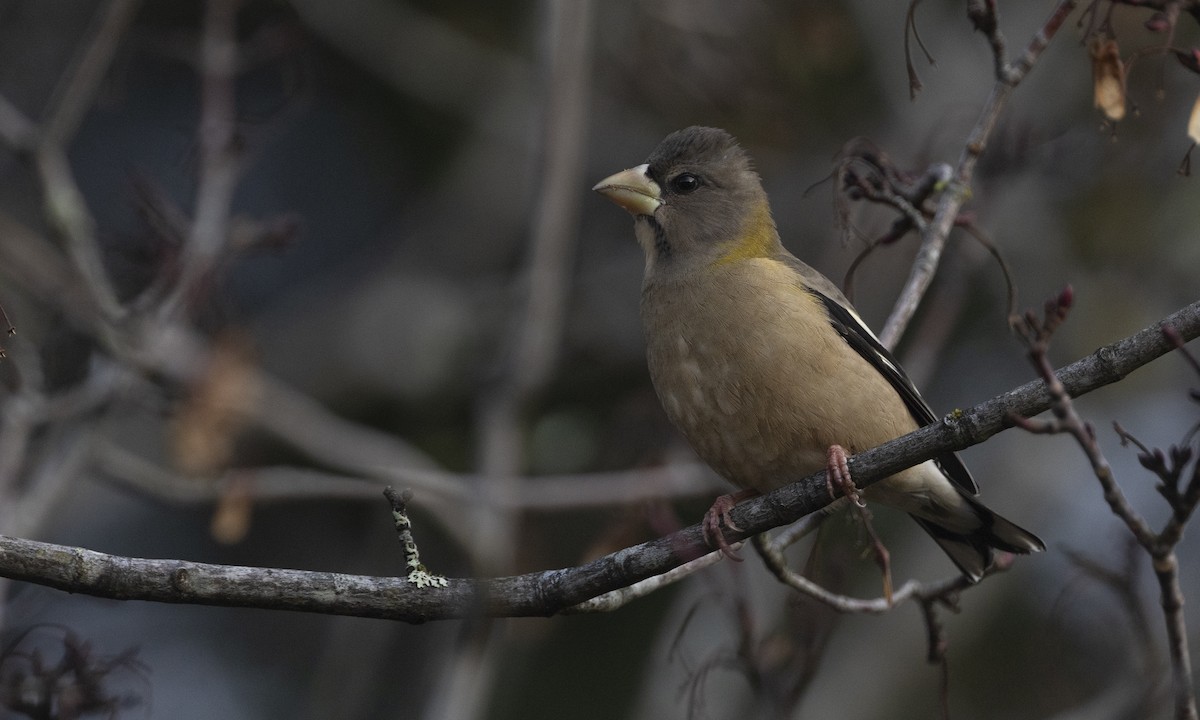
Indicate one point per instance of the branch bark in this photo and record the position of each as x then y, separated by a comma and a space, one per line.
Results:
552, 591
958, 190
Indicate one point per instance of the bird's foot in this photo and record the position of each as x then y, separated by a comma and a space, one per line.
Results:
717, 515
837, 476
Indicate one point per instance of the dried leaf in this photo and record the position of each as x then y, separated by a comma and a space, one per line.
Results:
1194, 122
231, 519
1108, 78
206, 427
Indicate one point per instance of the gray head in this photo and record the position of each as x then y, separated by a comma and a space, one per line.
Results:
696, 200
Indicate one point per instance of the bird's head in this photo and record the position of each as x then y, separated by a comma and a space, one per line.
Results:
697, 203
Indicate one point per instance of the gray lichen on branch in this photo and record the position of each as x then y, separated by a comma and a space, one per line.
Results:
417, 573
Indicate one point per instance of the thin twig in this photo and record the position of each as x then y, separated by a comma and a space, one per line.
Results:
623, 596
538, 322
1122, 583
933, 239
67, 211
220, 164
1036, 333
282, 483
16, 129
417, 573
986, 18
65, 206
77, 92
536, 340
1166, 569
910, 590
1066, 419
910, 28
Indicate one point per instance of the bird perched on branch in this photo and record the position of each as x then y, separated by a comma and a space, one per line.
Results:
760, 360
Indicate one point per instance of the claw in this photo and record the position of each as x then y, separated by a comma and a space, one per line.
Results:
717, 516
837, 472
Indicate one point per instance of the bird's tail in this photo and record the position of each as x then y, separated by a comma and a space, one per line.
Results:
971, 552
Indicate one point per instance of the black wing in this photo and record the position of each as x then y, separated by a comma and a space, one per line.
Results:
864, 342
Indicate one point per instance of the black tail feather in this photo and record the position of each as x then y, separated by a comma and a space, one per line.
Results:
972, 552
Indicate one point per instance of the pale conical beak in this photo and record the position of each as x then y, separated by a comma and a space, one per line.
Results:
633, 190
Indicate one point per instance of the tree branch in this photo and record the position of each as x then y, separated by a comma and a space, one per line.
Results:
220, 151
958, 190
548, 592
1036, 334
77, 91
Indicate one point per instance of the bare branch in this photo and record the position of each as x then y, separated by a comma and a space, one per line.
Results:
1166, 569
15, 128
910, 28
536, 337
219, 154
775, 562
67, 211
1036, 334
620, 597
65, 206
1160, 546
539, 318
549, 592
933, 238
77, 92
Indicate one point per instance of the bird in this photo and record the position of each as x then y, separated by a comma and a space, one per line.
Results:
763, 364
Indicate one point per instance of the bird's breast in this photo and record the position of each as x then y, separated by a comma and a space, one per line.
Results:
748, 367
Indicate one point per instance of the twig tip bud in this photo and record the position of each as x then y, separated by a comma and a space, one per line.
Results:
1066, 297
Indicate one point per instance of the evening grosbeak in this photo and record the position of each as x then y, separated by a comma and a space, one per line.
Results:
760, 360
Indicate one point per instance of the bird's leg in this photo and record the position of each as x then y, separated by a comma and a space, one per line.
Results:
882, 558
837, 476
837, 472
718, 514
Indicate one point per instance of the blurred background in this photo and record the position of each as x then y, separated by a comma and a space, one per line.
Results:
265, 257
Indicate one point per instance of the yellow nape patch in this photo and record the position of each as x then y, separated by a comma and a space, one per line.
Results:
757, 239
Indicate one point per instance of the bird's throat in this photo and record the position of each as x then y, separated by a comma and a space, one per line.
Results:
758, 237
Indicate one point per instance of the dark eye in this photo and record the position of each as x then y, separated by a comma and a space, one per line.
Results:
684, 183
